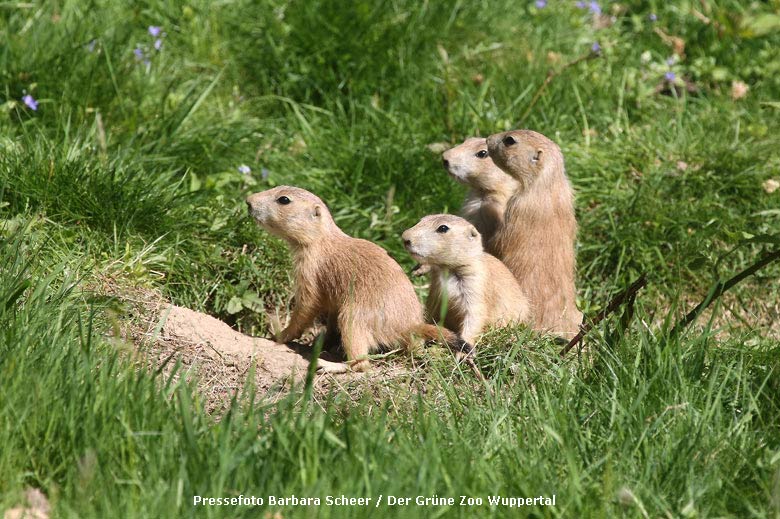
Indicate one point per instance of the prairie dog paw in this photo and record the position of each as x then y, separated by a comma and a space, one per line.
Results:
420, 270
334, 368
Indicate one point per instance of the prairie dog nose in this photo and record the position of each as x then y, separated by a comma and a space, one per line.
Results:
445, 159
254, 197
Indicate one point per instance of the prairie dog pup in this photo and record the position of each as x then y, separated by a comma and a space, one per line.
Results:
489, 187
480, 291
367, 298
537, 239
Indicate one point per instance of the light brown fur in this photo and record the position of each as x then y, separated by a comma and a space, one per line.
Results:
479, 290
363, 293
537, 239
489, 187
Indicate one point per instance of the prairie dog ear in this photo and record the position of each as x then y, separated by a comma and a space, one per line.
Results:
317, 211
473, 233
537, 156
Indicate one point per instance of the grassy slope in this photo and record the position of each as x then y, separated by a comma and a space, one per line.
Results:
128, 172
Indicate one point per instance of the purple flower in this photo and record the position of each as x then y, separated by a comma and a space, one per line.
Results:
154, 30
244, 169
670, 61
653, 17
541, 4
158, 44
595, 47
594, 7
581, 5
670, 76
140, 56
264, 173
30, 101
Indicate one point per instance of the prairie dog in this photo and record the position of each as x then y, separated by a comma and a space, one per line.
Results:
489, 187
537, 239
479, 289
367, 299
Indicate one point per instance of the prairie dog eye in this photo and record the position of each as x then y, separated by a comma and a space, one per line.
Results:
509, 140
283, 200
442, 229
481, 154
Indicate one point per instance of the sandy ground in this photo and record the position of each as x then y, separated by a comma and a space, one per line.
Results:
221, 358
36, 506
206, 351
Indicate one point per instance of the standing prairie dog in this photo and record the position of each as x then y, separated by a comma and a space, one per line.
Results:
478, 288
537, 239
489, 187
367, 299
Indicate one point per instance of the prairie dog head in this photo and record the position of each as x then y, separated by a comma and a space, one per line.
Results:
291, 213
524, 154
469, 163
444, 240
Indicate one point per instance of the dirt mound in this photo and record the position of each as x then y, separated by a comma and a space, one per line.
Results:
218, 358
220, 341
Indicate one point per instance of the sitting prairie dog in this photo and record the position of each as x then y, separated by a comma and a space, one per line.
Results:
489, 187
367, 299
537, 239
479, 289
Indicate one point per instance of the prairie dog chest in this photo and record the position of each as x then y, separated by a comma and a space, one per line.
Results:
472, 204
461, 291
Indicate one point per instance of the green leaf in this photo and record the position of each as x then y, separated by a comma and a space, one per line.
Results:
761, 25
698, 263
219, 223
251, 300
764, 238
234, 305
11, 225
15, 293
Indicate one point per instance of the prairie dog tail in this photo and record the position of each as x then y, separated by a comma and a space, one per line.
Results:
463, 350
454, 342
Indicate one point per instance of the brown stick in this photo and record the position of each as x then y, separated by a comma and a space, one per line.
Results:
613, 305
722, 287
552, 74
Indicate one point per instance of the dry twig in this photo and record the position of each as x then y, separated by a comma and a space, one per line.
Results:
627, 294
721, 287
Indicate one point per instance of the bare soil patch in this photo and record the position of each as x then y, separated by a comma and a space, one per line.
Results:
222, 357
218, 359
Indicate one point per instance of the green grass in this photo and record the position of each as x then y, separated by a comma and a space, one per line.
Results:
128, 173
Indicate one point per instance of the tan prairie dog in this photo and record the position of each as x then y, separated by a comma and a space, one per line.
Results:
489, 187
479, 290
537, 239
363, 293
